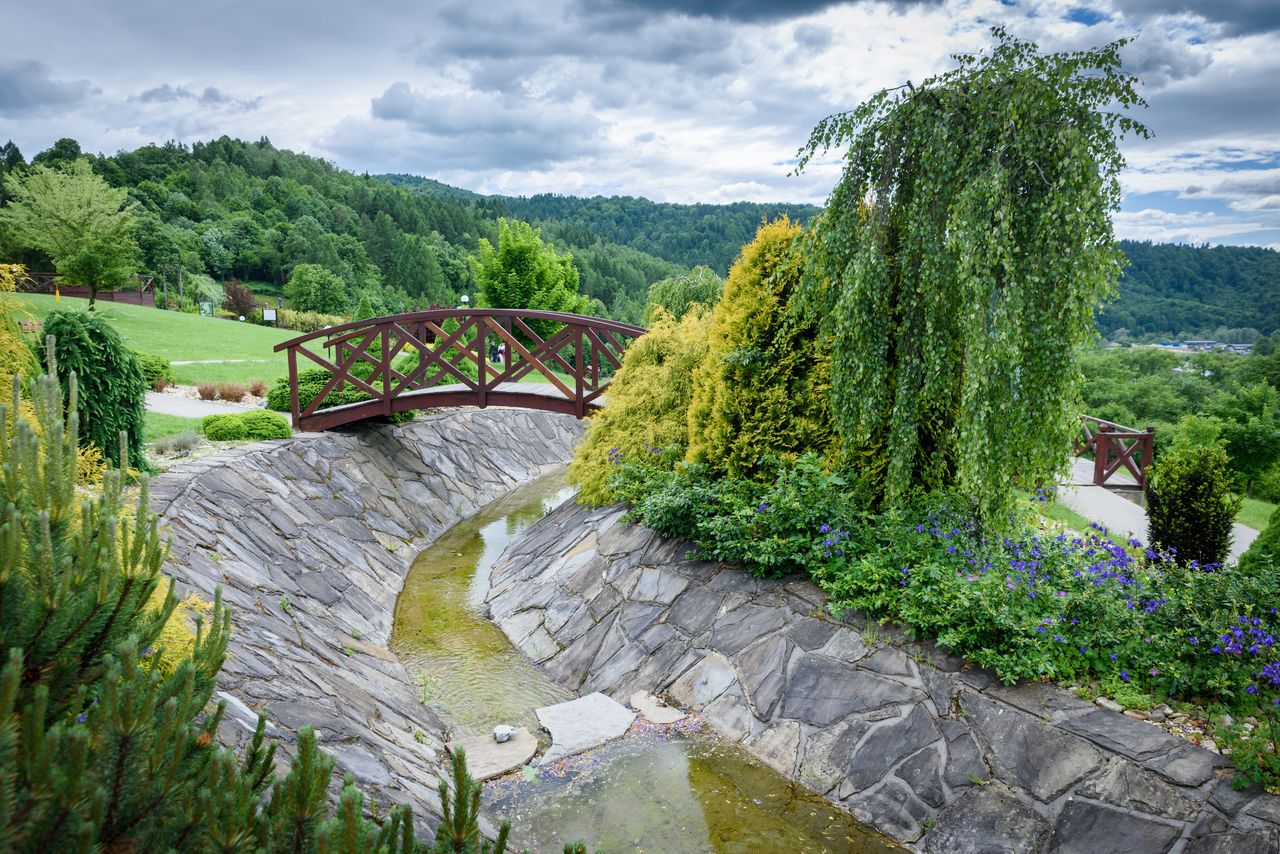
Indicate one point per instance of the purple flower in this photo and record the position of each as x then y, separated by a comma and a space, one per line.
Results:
825, 529
1124, 675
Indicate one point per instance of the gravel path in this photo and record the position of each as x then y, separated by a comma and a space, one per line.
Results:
185, 407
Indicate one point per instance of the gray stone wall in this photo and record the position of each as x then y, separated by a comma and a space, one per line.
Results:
310, 539
940, 756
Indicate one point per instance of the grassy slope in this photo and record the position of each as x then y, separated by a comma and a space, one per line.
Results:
186, 337
157, 425
1255, 513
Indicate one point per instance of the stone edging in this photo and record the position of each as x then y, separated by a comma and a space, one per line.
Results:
939, 756
310, 539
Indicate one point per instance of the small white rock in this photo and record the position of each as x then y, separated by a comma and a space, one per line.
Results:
502, 733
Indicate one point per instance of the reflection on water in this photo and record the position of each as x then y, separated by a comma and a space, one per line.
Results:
675, 793
655, 790
465, 663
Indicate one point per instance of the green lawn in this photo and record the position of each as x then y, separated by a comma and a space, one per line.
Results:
157, 425
1255, 513
186, 337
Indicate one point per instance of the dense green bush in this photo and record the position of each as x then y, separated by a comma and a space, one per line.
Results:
699, 288
648, 405
762, 390
255, 425
1190, 505
765, 523
156, 370
1265, 549
306, 321
111, 396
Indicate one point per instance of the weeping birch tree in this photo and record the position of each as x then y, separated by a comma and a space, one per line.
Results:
961, 259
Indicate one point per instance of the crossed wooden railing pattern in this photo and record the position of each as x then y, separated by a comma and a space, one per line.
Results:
443, 358
1114, 446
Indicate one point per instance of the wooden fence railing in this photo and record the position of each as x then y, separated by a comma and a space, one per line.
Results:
544, 360
1115, 446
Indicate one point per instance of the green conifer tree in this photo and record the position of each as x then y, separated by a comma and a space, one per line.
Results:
101, 750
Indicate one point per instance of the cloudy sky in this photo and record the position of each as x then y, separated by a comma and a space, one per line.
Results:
675, 100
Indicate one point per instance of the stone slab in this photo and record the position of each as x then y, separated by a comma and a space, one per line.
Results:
489, 758
582, 724
654, 710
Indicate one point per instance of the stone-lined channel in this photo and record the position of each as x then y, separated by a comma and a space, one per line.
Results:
677, 788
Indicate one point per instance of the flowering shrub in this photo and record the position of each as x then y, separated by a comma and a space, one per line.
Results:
1027, 602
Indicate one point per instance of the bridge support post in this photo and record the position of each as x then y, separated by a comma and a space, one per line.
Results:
1101, 453
482, 362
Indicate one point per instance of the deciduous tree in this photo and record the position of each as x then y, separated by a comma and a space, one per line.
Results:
961, 259
73, 216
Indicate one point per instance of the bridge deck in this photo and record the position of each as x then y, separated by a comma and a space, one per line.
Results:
530, 395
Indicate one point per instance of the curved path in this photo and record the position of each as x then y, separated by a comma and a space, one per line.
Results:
1124, 517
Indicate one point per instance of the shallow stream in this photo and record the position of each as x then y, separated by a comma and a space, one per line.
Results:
658, 789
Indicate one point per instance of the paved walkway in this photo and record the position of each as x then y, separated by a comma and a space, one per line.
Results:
185, 407
1124, 517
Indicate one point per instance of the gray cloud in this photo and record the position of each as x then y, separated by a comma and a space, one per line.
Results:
210, 96
752, 11
1161, 61
27, 87
1237, 17
814, 36
498, 131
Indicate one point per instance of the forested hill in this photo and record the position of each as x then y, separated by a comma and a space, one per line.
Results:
1192, 291
230, 208
688, 235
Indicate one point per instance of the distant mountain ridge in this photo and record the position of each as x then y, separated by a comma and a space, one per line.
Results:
1168, 289
685, 234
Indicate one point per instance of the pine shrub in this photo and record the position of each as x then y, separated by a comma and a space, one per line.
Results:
1190, 503
647, 415
112, 391
105, 745
761, 391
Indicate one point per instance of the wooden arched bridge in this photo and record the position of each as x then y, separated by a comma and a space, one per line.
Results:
453, 357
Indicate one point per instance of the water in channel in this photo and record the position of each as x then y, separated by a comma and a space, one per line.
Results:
678, 789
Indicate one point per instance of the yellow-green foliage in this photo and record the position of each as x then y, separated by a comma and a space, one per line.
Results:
16, 357
762, 389
90, 465
648, 402
178, 637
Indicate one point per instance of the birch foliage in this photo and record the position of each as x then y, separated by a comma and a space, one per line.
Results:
962, 257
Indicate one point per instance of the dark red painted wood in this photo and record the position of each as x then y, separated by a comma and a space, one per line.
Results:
577, 359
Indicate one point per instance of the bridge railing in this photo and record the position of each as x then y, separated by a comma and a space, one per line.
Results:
1115, 446
444, 357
